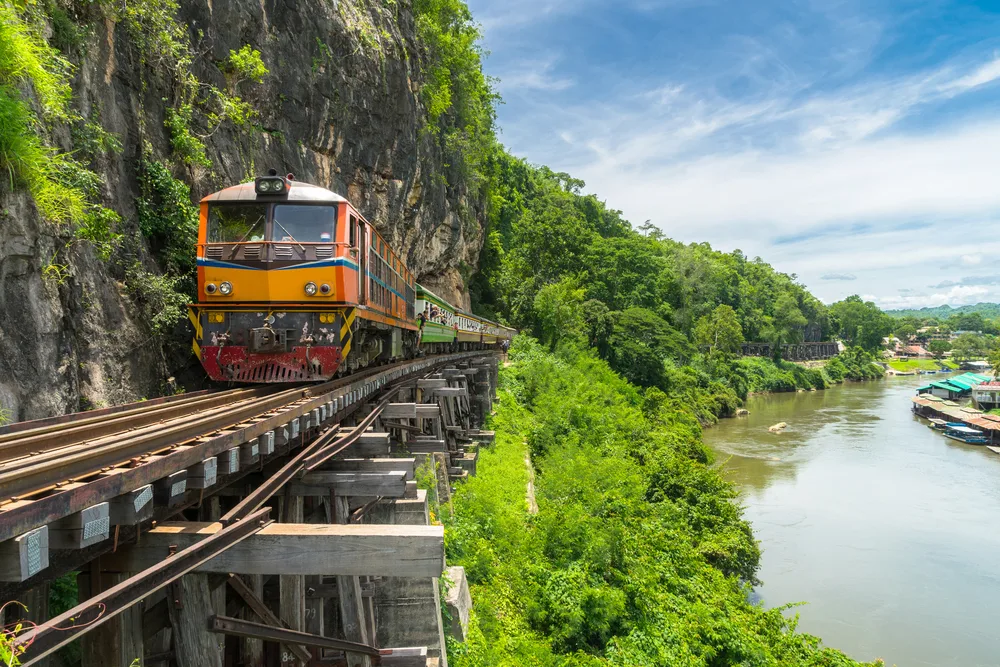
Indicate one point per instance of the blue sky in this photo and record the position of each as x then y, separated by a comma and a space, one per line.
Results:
855, 144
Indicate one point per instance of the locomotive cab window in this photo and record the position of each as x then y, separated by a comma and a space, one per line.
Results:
304, 224
236, 223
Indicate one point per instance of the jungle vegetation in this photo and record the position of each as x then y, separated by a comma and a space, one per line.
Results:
638, 553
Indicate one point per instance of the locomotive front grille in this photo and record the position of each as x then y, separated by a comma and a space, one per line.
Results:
270, 372
214, 251
323, 251
283, 252
251, 252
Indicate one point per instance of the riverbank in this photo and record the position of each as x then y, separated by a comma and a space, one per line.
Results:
638, 552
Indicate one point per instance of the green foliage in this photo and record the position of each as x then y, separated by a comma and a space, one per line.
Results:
859, 364
720, 331
764, 375
159, 298
638, 555
559, 311
861, 323
189, 148
168, 220
26, 57
458, 97
247, 65
938, 348
970, 346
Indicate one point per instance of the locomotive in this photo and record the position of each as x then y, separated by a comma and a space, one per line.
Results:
294, 285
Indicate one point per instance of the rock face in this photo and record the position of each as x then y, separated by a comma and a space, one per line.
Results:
340, 107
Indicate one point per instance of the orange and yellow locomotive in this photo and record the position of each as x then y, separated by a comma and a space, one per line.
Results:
294, 284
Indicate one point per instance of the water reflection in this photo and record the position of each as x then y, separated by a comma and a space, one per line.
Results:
887, 528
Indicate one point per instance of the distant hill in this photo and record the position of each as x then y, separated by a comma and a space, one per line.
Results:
987, 310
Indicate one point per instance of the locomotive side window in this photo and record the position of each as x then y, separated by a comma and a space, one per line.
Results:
304, 224
236, 223
354, 232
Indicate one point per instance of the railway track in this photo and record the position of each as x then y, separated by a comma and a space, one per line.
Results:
50, 469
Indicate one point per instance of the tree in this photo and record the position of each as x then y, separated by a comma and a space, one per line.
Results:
969, 346
860, 323
559, 311
994, 359
938, 348
719, 331
905, 331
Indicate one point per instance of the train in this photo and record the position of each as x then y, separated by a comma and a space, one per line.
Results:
295, 285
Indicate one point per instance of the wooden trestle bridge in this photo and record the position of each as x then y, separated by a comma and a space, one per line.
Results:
257, 527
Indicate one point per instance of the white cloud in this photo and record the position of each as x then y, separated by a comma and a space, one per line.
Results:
533, 75
971, 260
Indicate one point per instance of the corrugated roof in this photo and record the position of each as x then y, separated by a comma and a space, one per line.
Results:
949, 387
962, 382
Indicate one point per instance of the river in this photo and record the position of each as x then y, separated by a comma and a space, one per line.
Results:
889, 531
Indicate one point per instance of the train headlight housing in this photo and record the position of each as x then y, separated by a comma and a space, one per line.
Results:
217, 318
225, 288
210, 288
324, 289
311, 288
270, 185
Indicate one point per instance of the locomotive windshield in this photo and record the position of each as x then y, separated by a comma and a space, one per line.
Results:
236, 223
304, 223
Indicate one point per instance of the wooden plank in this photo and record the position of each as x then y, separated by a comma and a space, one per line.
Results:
132, 508
25, 555
203, 475
403, 657
82, 529
229, 461
400, 411
249, 453
372, 465
285, 548
389, 484
171, 489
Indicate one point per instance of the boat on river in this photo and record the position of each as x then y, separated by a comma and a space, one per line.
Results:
966, 434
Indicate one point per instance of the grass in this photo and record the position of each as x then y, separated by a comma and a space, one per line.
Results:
913, 365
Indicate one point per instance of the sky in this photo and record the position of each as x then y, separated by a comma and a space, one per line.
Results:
853, 144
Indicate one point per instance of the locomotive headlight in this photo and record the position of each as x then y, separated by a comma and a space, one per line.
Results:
269, 185
210, 288
226, 288
311, 288
324, 289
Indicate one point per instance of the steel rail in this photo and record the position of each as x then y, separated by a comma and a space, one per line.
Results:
78, 461
45, 638
70, 417
239, 628
103, 483
29, 441
328, 442
118, 437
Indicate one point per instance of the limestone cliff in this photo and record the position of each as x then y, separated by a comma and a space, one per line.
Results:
340, 106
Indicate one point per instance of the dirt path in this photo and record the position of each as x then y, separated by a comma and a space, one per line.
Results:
532, 505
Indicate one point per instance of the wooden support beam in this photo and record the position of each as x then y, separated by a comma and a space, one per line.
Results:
292, 587
266, 615
25, 555
400, 411
283, 548
170, 490
352, 612
229, 461
188, 602
404, 657
203, 475
428, 446
372, 465
388, 484
82, 529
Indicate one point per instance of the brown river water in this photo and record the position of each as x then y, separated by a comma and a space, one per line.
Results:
889, 531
